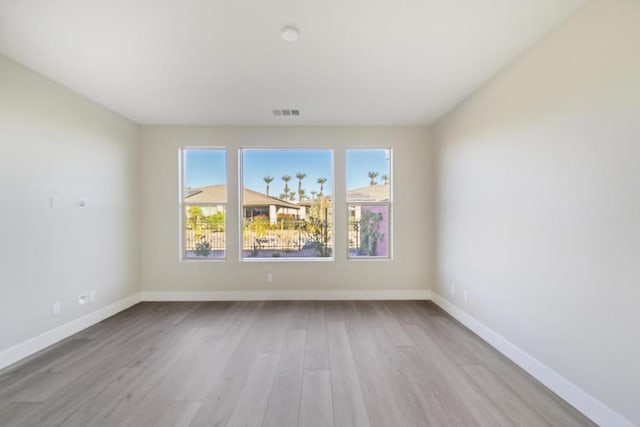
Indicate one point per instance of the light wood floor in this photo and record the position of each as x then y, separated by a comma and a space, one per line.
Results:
276, 364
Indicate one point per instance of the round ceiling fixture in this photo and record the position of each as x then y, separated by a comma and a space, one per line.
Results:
290, 33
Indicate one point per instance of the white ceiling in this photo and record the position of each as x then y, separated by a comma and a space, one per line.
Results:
382, 62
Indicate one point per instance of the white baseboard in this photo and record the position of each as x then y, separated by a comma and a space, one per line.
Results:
597, 411
408, 294
26, 348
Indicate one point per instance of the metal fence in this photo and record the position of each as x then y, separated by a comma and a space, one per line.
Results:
287, 236
291, 235
205, 234
354, 235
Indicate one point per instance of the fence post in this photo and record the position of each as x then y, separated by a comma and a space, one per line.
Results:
326, 232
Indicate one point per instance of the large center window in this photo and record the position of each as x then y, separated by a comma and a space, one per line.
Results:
287, 204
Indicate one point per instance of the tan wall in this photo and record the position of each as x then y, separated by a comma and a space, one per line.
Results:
539, 203
410, 268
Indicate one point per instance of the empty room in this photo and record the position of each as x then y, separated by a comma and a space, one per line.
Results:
339, 213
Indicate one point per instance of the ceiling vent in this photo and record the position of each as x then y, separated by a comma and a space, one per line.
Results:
286, 112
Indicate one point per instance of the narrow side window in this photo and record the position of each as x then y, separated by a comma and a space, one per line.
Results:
369, 203
203, 203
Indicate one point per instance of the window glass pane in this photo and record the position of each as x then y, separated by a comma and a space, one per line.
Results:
368, 175
369, 202
287, 208
205, 176
368, 230
204, 231
204, 203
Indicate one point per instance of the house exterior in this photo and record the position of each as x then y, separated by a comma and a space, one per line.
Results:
370, 194
254, 203
367, 201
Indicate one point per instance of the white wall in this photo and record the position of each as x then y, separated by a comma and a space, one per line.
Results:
56, 143
410, 268
539, 203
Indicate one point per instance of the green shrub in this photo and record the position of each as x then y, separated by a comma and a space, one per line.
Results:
259, 225
369, 233
203, 248
215, 222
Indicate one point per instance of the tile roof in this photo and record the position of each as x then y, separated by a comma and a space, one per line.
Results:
370, 193
218, 193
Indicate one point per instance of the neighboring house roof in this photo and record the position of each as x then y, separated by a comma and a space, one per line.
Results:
311, 202
254, 198
370, 193
218, 193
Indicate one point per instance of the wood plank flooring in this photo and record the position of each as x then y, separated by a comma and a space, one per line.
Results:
306, 363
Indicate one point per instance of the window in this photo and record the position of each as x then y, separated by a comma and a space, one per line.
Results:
369, 203
203, 203
287, 208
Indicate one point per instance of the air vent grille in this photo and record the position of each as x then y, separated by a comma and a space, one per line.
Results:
286, 112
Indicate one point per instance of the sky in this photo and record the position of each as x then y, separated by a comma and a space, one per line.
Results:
204, 167
208, 167
361, 162
256, 164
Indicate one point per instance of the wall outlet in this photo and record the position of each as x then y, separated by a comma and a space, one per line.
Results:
81, 203
466, 296
56, 308
269, 277
83, 298
92, 296
453, 289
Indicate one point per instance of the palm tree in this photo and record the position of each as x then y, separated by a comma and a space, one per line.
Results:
313, 194
321, 181
300, 176
292, 195
283, 196
301, 194
268, 180
372, 176
286, 179
385, 177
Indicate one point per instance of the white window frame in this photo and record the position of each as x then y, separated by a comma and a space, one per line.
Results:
183, 206
388, 204
332, 224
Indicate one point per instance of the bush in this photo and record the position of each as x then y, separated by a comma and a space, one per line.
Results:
259, 225
215, 222
286, 217
203, 247
369, 233
317, 230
